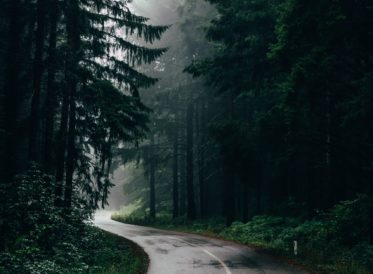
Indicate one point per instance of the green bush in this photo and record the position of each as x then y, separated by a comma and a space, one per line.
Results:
261, 230
350, 222
338, 240
43, 239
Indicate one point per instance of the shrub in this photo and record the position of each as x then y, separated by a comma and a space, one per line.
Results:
44, 240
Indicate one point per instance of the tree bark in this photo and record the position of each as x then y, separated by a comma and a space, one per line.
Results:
175, 185
38, 73
191, 207
71, 150
245, 201
201, 160
73, 34
229, 188
11, 94
61, 149
152, 178
182, 162
50, 104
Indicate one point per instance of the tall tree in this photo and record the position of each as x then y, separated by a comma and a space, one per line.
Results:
38, 68
51, 93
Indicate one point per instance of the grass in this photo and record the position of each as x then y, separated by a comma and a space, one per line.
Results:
121, 256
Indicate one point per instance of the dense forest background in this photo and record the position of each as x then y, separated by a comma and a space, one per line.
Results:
261, 130
278, 121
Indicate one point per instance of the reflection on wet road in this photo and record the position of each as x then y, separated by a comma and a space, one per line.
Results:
182, 253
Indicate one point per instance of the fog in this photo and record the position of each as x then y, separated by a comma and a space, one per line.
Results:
159, 12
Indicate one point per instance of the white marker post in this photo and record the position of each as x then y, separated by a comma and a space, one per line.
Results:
295, 248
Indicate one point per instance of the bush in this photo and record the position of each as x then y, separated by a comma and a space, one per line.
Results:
261, 230
350, 222
43, 239
339, 239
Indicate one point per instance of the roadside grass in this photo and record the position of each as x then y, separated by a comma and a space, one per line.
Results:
120, 256
335, 242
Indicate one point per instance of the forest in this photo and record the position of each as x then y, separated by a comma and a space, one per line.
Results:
248, 120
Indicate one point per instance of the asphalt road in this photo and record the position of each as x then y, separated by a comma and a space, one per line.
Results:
183, 253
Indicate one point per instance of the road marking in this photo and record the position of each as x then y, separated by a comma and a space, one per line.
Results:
220, 261
227, 270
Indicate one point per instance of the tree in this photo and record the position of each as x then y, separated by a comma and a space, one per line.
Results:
89, 101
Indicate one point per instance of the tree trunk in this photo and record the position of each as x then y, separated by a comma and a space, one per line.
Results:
229, 188
201, 160
175, 185
50, 104
245, 201
61, 148
182, 204
191, 207
71, 150
38, 73
152, 178
11, 94
73, 41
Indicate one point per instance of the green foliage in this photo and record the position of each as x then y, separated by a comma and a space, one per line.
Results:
87, 250
41, 239
261, 230
337, 241
351, 221
208, 226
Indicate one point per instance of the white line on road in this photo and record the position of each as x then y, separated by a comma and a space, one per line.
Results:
220, 261
227, 270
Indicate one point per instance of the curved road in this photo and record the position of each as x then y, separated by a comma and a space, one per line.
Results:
182, 253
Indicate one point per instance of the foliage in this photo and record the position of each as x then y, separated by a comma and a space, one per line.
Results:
43, 240
85, 251
331, 243
164, 221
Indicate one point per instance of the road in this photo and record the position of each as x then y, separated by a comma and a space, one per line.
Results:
183, 253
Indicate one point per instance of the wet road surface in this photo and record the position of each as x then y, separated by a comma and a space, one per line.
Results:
183, 253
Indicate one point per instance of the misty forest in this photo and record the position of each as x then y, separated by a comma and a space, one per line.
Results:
244, 125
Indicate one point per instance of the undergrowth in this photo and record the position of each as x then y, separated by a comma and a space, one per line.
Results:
38, 237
